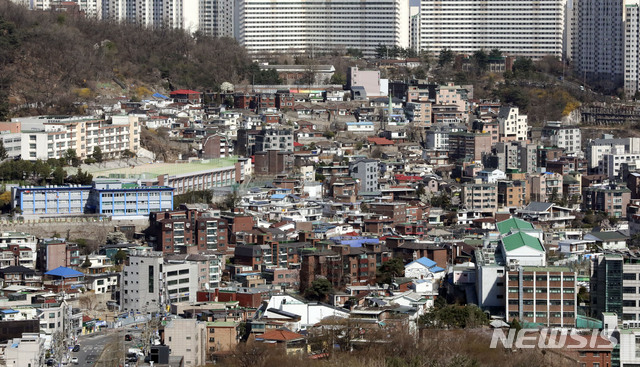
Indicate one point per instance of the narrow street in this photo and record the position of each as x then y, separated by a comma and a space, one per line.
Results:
92, 346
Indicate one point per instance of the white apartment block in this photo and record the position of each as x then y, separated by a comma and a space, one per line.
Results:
149, 284
29, 350
512, 125
489, 277
52, 318
597, 148
568, 138
611, 164
142, 284
437, 139
519, 28
45, 137
598, 42
181, 14
92, 8
26, 245
366, 171
311, 26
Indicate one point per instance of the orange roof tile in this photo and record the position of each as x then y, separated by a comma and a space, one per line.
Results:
281, 335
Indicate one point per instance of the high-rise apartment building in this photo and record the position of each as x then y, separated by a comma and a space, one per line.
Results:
631, 49
315, 26
521, 28
141, 12
217, 17
599, 40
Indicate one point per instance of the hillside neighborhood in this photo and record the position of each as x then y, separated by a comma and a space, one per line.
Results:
182, 229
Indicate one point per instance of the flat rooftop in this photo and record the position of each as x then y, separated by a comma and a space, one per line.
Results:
153, 170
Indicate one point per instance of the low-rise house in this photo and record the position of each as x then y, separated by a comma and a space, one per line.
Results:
360, 127
63, 279
608, 240
20, 275
423, 268
102, 283
575, 247
293, 343
547, 213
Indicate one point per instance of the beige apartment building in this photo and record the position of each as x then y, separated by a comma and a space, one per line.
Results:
44, 137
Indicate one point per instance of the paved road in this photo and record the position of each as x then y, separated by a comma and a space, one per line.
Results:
91, 346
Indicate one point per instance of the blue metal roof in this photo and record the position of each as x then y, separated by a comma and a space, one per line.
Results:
278, 196
424, 261
64, 272
158, 95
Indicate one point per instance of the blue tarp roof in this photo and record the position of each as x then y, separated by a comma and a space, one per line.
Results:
64, 272
9, 311
158, 95
278, 196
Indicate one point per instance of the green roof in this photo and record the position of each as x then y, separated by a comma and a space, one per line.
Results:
513, 223
519, 239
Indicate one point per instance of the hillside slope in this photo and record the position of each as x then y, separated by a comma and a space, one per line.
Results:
48, 60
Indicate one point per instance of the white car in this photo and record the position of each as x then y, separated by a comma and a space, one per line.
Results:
74, 360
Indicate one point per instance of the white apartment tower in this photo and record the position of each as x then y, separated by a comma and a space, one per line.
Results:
598, 42
181, 14
521, 27
312, 26
92, 8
